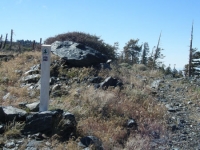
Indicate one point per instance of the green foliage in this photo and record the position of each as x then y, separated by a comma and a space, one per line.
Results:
92, 41
168, 70
132, 51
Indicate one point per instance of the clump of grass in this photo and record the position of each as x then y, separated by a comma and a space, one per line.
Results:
13, 129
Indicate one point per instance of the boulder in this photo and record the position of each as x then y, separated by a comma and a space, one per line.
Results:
38, 122
1, 128
91, 140
76, 54
11, 113
50, 122
110, 82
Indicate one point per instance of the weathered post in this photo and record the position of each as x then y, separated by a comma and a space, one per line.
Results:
11, 38
4, 45
45, 76
33, 46
1, 41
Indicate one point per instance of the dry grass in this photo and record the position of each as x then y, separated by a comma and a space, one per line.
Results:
103, 113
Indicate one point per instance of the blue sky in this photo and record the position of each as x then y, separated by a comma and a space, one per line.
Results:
112, 20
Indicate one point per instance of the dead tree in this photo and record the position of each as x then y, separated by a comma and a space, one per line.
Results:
157, 52
190, 54
4, 45
11, 38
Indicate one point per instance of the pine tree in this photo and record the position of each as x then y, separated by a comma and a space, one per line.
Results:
132, 51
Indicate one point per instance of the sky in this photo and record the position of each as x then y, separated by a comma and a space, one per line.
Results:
112, 20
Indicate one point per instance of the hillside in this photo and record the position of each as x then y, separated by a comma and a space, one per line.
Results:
126, 107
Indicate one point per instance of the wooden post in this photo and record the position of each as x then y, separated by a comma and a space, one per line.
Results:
4, 45
190, 55
1, 41
40, 41
33, 46
45, 76
11, 39
19, 46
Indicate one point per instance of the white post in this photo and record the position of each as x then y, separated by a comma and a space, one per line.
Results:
45, 76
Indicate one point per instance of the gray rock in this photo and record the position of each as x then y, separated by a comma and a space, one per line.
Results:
34, 107
12, 113
155, 84
110, 82
2, 115
1, 128
95, 80
91, 140
132, 124
31, 78
50, 122
10, 144
33, 145
77, 54
6, 96
38, 122
67, 125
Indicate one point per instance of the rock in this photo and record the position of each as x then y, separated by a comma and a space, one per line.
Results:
67, 125
1, 128
31, 78
95, 79
76, 54
6, 96
91, 140
56, 87
132, 124
38, 122
32, 145
12, 113
19, 72
155, 135
34, 107
10, 144
2, 115
50, 122
110, 82
105, 66
155, 84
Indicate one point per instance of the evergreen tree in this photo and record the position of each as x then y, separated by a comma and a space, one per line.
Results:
132, 51
168, 70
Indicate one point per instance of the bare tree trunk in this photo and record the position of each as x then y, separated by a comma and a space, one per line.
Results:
156, 52
4, 45
190, 55
11, 39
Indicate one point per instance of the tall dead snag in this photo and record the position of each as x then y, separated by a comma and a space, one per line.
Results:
157, 52
1, 41
11, 38
4, 45
190, 54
